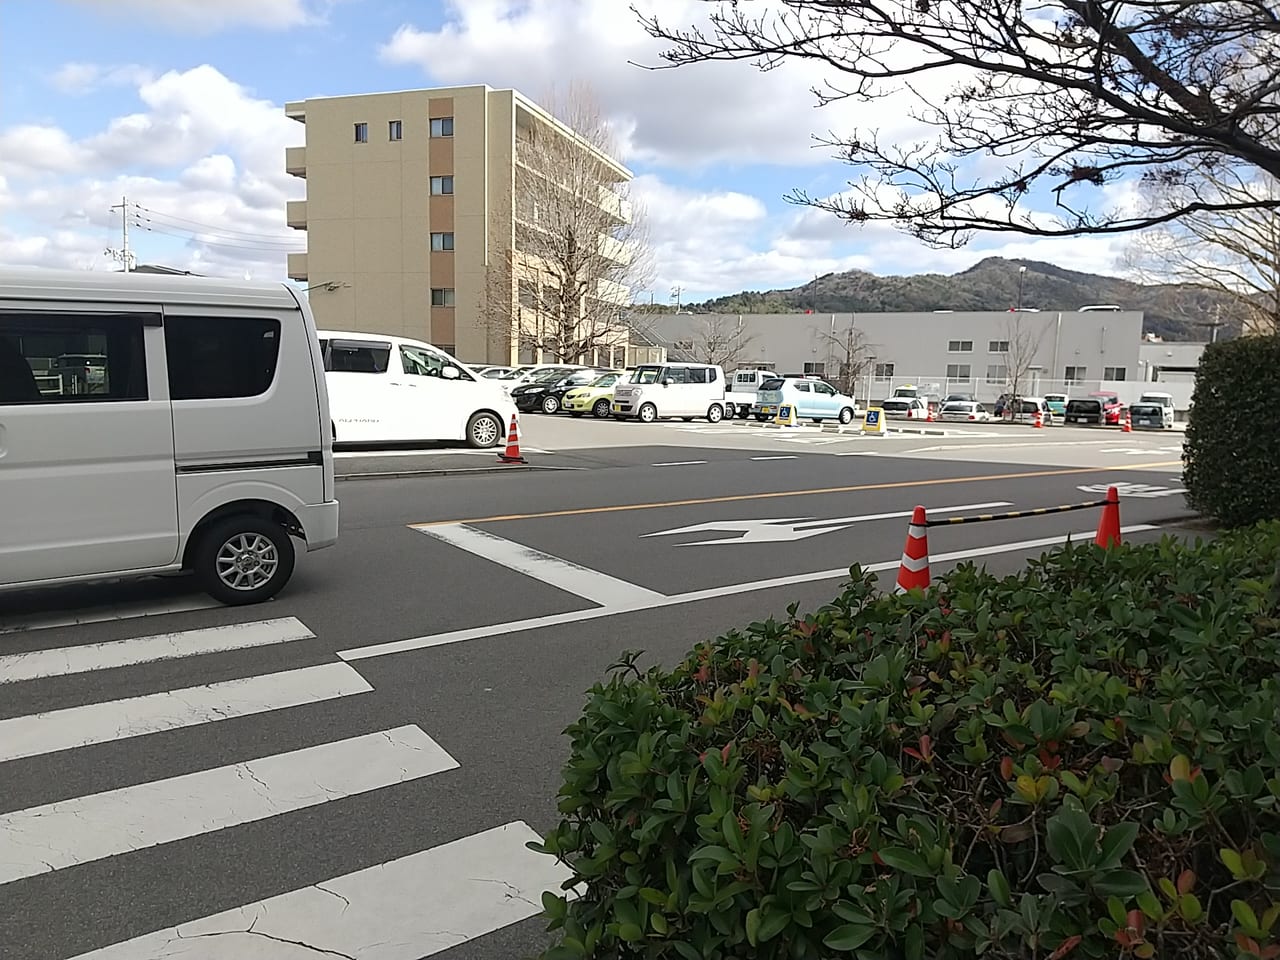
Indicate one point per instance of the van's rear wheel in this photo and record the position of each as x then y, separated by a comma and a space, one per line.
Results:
244, 559
483, 431
715, 413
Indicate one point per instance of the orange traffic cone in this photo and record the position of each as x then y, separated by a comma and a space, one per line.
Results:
1126, 425
512, 454
1109, 525
914, 569
928, 417
1039, 424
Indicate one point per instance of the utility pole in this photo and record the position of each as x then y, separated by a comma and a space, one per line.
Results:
675, 297
124, 255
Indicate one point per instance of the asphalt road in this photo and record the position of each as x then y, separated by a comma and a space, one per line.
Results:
373, 748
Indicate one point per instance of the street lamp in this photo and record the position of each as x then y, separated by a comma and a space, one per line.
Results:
1022, 276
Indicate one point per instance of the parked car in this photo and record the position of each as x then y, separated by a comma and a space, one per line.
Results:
958, 398
685, 390
1084, 410
546, 391
1147, 416
201, 443
1057, 403
743, 387
814, 400
595, 397
1164, 401
904, 408
964, 411
1024, 410
1111, 405
494, 373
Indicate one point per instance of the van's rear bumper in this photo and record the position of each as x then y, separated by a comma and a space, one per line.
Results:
319, 524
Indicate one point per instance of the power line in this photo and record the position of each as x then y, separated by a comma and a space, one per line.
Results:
196, 226
230, 243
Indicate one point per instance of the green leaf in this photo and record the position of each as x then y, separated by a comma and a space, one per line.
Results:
753, 927
1231, 860
900, 858
1119, 883
630, 932
999, 888
1117, 842
718, 854
1244, 915
848, 937
775, 921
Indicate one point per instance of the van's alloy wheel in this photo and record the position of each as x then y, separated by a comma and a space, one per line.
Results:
244, 559
648, 413
715, 413
483, 430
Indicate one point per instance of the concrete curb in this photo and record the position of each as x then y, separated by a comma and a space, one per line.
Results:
445, 472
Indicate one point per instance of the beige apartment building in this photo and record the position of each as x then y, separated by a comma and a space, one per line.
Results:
412, 215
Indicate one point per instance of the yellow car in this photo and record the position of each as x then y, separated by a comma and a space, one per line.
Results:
594, 398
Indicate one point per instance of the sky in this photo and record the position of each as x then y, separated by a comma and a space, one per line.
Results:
178, 106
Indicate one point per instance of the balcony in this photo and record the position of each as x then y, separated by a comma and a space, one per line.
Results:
296, 110
296, 266
615, 250
295, 161
619, 207
295, 214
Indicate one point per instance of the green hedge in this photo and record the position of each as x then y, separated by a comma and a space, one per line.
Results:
1082, 760
1231, 462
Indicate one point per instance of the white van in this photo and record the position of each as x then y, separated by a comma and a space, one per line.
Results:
1165, 402
743, 386
684, 390
197, 437
391, 390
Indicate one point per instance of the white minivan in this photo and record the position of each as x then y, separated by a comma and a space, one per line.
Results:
196, 438
684, 390
385, 389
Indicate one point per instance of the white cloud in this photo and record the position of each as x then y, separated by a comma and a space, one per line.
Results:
692, 117
202, 16
81, 78
202, 157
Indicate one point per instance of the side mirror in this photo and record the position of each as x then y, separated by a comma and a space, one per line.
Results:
451, 373
668, 382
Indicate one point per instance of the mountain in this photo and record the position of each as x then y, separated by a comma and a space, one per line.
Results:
1172, 311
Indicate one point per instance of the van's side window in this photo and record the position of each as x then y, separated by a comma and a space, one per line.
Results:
347, 356
698, 374
676, 374
425, 363
712, 376
217, 358
71, 358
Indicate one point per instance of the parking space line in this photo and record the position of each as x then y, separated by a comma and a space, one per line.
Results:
580, 581
779, 494
678, 463
578, 616
788, 456
127, 610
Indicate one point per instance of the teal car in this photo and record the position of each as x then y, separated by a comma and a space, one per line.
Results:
1057, 403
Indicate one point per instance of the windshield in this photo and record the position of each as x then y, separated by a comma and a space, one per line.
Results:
772, 384
1078, 405
1147, 410
608, 380
957, 408
546, 376
1055, 397
515, 374
895, 405
646, 375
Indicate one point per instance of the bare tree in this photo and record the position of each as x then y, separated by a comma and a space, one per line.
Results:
1023, 335
580, 241
1235, 255
1069, 94
720, 340
850, 353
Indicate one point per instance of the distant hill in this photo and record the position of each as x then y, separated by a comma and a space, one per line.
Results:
1174, 312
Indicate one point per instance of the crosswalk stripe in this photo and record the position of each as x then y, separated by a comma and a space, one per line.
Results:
68, 832
41, 733
62, 661
405, 909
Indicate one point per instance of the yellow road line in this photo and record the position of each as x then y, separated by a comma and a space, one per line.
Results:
740, 497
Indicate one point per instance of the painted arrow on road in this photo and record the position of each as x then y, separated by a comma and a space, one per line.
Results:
786, 529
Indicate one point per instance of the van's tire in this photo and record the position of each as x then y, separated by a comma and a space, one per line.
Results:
483, 431
601, 409
256, 551
846, 415
550, 404
715, 413
648, 413
761, 417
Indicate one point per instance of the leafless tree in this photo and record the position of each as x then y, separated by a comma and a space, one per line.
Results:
1235, 255
1066, 96
580, 241
720, 340
1023, 334
850, 353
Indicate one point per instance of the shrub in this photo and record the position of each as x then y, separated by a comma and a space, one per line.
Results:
1231, 461
1082, 760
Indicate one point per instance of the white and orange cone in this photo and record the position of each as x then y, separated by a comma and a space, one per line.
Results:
1126, 425
1109, 523
512, 454
913, 572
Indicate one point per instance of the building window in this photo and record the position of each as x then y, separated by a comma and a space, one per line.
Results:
997, 373
215, 358
442, 127
442, 186
959, 346
442, 241
1075, 374
815, 369
959, 371
362, 133
528, 294
998, 346
442, 296
395, 130
883, 371
1113, 373
60, 358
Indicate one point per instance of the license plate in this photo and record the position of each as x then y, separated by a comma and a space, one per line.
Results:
766, 409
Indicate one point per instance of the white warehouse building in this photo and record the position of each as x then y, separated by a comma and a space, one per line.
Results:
1072, 352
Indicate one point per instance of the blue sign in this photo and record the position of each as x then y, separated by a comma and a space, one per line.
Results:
784, 412
873, 418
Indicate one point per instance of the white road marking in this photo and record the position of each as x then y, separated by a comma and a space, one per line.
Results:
570, 577
786, 529
104, 614
678, 463
61, 661
578, 616
82, 829
1126, 489
1020, 444
41, 733
406, 909
784, 456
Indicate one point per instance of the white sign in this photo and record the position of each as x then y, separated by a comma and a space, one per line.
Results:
1142, 490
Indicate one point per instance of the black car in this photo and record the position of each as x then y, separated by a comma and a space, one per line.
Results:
1085, 411
546, 392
